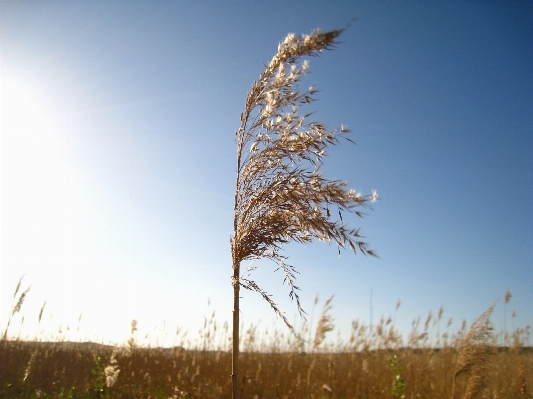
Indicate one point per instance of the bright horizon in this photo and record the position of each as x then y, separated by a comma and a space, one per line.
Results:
118, 163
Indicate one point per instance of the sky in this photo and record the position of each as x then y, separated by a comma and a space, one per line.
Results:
118, 162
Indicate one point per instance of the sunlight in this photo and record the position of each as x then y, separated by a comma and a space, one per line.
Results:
56, 224
35, 176
24, 109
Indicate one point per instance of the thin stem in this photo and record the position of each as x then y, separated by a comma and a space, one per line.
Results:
235, 353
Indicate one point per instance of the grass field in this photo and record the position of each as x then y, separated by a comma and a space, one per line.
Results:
371, 364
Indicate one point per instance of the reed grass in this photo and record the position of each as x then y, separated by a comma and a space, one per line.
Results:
375, 362
325, 324
281, 195
15, 307
475, 351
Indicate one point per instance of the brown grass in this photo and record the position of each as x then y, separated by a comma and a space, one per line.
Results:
275, 364
475, 352
324, 325
163, 373
280, 194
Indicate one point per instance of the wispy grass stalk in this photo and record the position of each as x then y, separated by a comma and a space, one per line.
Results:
474, 353
281, 195
17, 305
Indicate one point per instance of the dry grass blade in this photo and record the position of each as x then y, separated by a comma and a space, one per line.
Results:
252, 286
41, 311
18, 286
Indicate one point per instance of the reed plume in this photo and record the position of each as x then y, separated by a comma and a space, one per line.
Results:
474, 352
281, 195
15, 308
325, 324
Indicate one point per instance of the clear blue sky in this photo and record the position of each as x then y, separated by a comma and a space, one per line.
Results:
118, 160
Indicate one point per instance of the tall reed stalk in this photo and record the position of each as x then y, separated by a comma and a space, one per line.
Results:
281, 195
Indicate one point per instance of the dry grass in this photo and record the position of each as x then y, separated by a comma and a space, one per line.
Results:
176, 372
324, 325
274, 364
475, 352
17, 304
281, 194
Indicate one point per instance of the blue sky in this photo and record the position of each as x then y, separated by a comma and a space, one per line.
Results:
118, 160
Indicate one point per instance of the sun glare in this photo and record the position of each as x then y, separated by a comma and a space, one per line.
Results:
55, 230
37, 192
24, 109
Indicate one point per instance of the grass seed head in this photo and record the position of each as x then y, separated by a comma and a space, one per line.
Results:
281, 195
325, 324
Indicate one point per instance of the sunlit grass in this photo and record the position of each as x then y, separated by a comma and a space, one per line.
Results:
375, 362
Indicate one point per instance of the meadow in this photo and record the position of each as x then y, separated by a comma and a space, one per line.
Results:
377, 362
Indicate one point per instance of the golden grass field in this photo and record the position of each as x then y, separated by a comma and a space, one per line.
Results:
62, 370
277, 365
